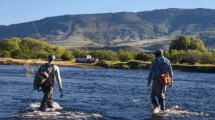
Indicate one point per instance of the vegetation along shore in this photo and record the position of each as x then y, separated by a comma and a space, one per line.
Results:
130, 65
185, 52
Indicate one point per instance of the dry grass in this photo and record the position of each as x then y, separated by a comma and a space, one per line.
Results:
10, 61
77, 42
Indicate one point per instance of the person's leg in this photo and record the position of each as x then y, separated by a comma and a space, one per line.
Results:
155, 93
43, 102
161, 98
47, 91
49, 101
154, 99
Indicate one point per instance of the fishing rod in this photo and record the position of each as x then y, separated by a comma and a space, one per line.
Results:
139, 66
30, 65
145, 79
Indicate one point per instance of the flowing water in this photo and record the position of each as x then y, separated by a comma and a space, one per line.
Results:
106, 94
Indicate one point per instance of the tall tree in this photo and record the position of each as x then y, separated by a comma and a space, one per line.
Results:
197, 44
184, 42
181, 42
10, 44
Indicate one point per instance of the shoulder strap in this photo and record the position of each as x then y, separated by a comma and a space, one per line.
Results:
46, 65
158, 65
49, 69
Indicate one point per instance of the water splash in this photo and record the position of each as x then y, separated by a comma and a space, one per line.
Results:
35, 106
56, 113
138, 100
177, 111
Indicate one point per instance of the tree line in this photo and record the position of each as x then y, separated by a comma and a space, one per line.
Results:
28, 48
183, 50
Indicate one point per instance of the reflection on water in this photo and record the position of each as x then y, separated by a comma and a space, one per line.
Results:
106, 94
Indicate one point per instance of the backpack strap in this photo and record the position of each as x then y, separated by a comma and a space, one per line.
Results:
50, 68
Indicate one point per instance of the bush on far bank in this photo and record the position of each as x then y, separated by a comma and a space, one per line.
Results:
29, 48
190, 57
67, 56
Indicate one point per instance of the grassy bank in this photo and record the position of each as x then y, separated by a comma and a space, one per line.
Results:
116, 65
145, 65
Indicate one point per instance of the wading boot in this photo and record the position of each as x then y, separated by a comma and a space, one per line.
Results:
162, 107
50, 105
42, 107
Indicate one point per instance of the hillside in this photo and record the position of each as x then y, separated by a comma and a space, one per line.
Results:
145, 30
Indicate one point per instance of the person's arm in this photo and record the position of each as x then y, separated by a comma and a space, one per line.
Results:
171, 71
152, 66
58, 77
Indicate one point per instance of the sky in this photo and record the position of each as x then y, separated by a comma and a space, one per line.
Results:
19, 11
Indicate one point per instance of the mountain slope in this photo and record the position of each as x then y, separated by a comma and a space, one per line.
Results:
147, 30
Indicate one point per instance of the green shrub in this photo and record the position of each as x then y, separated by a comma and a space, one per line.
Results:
208, 58
103, 63
67, 56
29, 48
184, 42
125, 67
176, 56
144, 57
5, 54
125, 56
191, 57
104, 55
78, 53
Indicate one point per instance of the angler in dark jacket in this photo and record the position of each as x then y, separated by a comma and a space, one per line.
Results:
157, 89
47, 86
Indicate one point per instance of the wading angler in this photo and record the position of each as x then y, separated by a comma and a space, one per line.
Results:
45, 78
160, 76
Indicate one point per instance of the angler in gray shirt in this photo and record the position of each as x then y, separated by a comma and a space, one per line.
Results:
48, 86
157, 89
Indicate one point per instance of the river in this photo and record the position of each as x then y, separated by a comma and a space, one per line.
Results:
106, 94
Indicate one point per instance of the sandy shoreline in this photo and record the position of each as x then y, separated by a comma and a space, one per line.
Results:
10, 61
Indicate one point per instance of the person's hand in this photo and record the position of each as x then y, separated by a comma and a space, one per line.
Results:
149, 88
61, 95
61, 92
35, 88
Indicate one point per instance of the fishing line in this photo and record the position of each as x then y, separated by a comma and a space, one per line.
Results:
36, 36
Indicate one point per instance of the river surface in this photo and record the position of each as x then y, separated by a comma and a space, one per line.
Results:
106, 94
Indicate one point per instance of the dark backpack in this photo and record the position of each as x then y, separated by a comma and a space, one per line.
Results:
42, 76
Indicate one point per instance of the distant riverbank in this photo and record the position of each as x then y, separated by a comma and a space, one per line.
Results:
115, 65
9, 61
145, 65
